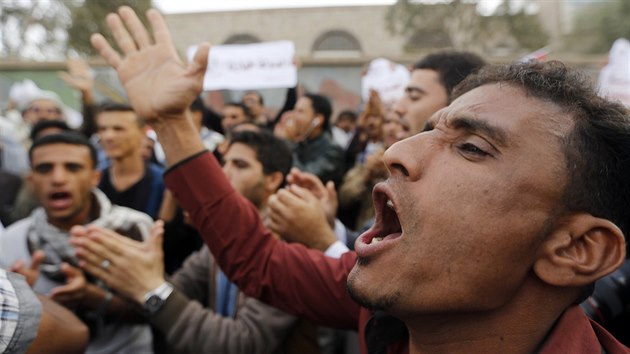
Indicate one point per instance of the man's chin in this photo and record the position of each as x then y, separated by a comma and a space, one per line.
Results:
368, 296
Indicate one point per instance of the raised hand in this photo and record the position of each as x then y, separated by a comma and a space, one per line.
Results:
297, 216
79, 75
73, 293
157, 82
132, 268
326, 195
31, 273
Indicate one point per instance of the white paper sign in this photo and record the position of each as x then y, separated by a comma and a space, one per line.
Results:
387, 78
614, 79
250, 66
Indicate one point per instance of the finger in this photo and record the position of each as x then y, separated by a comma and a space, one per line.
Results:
135, 26
200, 60
95, 253
36, 259
66, 77
105, 50
111, 239
69, 271
119, 31
98, 272
160, 30
302, 193
86, 255
17, 266
288, 198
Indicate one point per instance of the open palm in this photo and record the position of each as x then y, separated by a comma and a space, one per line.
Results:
157, 82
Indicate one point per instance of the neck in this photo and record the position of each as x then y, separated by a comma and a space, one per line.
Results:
131, 164
517, 327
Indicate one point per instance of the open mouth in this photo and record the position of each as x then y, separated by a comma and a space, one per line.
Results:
60, 199
386, 228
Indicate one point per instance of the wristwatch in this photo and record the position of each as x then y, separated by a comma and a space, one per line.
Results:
155, 299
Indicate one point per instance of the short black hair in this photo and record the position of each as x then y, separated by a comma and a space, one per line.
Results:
246, 111
272, 152
347, 115
452, 67
111, 106
67, 137
48, 124
260, 96
596, 150
321, 105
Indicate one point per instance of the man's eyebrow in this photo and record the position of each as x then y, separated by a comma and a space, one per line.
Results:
497, 134
415, 88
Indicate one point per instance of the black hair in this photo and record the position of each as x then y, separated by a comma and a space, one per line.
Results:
596, 150
347, 115
321, 105
273, 153
111, 106
260, 97
67, 137
452, 67
197, 105
246, 111
48, 124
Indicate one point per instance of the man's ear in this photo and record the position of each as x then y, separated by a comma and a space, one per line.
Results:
273, 181
582, 249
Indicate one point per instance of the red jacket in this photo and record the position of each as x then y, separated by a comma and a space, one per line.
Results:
305, 282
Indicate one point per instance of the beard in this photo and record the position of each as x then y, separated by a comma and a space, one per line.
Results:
372, 302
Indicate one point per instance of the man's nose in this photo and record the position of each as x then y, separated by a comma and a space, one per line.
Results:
59, 175
406, 158
400, 107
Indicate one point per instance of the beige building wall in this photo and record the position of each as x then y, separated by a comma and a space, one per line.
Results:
303, 26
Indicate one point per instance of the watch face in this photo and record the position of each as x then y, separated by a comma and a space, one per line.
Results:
153, 304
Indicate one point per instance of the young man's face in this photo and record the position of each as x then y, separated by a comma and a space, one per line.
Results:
62, 177
232, 116
424, 96
252, 101
245, 173
304, 116
473, 200
120, 134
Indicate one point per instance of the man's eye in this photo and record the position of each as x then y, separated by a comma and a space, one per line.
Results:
73, 167
43, 169
472, 149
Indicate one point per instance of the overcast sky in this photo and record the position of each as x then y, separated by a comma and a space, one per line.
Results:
179, 6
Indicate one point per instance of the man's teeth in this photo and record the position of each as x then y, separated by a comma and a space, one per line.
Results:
376, 240
390, 204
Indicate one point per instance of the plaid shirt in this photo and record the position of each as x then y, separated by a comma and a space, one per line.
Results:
20, 312
9, 311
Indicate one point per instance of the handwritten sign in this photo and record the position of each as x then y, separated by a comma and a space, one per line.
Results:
389, 79
250, 66
614, 79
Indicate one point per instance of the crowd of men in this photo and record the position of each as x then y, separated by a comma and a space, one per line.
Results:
474, 215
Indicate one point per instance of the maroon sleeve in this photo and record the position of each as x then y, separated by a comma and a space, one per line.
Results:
290, 277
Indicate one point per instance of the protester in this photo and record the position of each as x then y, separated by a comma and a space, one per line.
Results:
526, 150
63, 179
202, 300
307, 128
129, 180
343, 129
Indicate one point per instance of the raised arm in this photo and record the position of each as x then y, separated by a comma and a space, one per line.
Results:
160, 88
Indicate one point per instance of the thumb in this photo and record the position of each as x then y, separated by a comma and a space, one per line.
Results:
200, 60
69, 271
